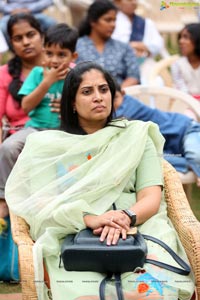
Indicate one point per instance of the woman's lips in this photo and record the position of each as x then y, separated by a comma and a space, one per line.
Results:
28, 50
99, 107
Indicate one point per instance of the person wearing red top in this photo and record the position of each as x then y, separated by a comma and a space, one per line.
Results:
27, 43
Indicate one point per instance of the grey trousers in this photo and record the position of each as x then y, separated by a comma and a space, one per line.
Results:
9, 152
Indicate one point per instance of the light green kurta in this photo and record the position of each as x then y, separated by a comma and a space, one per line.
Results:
59, 176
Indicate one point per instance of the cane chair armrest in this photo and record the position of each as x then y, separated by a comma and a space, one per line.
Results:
20, 233
183, 219
179, 211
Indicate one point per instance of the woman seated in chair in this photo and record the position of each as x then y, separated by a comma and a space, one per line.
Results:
65, 181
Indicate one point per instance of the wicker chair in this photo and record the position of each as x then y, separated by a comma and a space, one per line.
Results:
179, 212
173, 100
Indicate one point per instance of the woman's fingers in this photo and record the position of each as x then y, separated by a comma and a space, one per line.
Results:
112, 235
116, 236
120, 219
104, 233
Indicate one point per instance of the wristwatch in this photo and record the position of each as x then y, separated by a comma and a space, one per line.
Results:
131, 215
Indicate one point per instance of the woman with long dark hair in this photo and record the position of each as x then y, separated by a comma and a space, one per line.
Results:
27, 42
65, 181
95, 43
186, 70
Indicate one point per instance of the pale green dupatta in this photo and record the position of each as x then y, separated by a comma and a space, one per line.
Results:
58, 176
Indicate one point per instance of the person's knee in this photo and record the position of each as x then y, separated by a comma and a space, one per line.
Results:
9, 151
193, 154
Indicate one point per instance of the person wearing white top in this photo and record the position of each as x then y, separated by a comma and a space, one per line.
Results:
3, 45
151, 38
141, 33
186, 70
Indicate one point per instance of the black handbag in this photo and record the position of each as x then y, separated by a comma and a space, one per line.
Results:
84, 252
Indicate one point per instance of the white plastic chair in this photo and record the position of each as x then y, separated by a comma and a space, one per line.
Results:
161, 69
173, 100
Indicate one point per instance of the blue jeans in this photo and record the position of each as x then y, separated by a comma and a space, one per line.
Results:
9, 152
190, 159
44, 20
191, 144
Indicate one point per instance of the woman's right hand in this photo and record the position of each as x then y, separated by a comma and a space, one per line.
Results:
109, 225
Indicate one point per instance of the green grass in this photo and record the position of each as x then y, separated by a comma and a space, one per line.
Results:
10, 288
195, 202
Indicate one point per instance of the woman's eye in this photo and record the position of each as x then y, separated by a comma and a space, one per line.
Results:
31, 34
104, 89
86, 92
17, 39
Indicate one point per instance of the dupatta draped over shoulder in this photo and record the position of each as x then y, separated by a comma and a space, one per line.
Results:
58, 176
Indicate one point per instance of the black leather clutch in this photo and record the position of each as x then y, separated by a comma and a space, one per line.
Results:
84, 252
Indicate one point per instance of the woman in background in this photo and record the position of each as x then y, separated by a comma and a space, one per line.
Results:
27, 43
95, 43
186, 70
3, 45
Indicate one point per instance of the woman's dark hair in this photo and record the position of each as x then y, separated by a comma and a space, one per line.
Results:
69, 119
95, 11
194, 31
63, 35
15, 64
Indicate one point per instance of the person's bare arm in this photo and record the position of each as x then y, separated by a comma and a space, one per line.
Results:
114, 223
129, 81
140, 49
52, 75
147, 204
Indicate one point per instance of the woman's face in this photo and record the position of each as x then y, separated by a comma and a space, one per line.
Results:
93, 101
105, 25
26, 41
186, 45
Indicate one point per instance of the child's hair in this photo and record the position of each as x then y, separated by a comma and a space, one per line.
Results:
95, 11
194, 31
118, 87
63, 35
15, 64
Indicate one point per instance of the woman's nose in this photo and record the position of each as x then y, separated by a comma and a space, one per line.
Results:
98, 96
26, 40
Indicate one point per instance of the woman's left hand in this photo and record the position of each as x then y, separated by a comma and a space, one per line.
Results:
112, 235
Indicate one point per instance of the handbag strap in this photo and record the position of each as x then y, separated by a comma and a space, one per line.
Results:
185, 267
118, 286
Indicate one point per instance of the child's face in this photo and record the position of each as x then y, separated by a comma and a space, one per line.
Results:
55, 56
